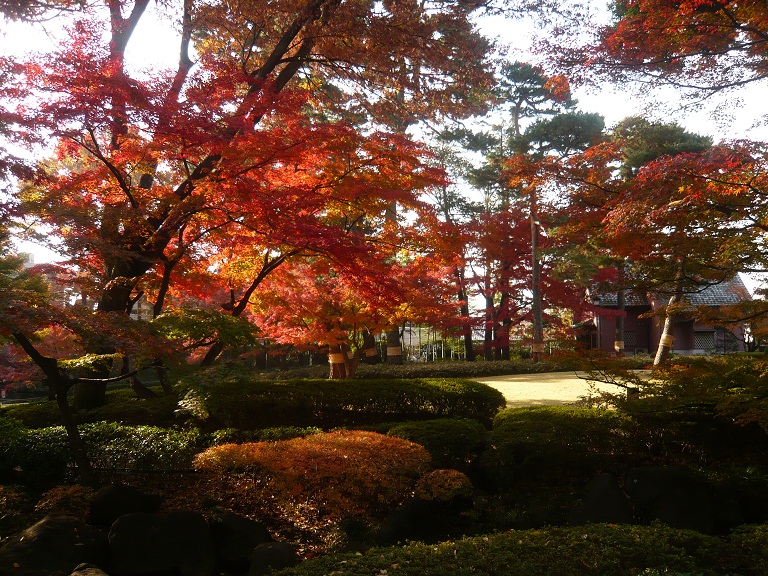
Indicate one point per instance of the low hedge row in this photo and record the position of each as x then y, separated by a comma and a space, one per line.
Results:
122, 406
599, 550
42, 455
223, 401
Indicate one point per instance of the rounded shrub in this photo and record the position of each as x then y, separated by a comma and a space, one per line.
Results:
452, 442
345, 473
443, 486
557, 445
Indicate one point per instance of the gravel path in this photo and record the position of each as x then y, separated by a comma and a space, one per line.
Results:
547, 389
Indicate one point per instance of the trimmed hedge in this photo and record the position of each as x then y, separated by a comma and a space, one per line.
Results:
594, 550
452, 442
122, 406
557, 445
235, 401
462, 369
42, 456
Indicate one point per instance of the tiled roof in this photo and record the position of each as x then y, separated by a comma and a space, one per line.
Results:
731, 292
726, 293
630, 299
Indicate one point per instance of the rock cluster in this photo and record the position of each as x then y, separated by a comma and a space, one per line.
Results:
127, 536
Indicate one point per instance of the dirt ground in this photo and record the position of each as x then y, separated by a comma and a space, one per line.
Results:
547, 389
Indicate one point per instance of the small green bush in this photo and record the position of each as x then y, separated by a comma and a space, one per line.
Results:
452, 442
594, 550
557, 445
220, 400
345, 473
34, 457
42, 455
113, 446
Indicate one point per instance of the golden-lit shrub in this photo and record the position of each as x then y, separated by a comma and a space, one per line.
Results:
343, 473
443, 485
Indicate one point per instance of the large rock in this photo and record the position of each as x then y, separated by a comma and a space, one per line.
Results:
604, 501
235, 537
88, 570
116, 500
673, 495
148, 544
272, 556
55, 545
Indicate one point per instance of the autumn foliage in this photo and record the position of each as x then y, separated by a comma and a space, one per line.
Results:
344, 473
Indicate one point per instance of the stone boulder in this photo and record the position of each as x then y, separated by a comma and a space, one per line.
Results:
55, 545
272, 556
176, 542
116, 500
604, 501
674, 495
234, 538
88, 570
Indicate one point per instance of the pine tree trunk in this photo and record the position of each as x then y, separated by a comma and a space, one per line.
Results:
618, 341
469, 349
489, 322
537, 349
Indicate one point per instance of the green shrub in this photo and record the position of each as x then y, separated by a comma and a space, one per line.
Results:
225, 399
452, 442
122, 406
344, 473
595, 550
237, 436
42, 455
113, 446
34, 457
37, 414
477, 369
557, 444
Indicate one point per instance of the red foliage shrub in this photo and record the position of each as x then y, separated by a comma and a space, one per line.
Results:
343, 473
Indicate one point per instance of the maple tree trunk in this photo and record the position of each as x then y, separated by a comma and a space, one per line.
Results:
85, 472
394, 348
212, 354
667, 334
537, 349
370, 352
59, 386
342, 366
90, 395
